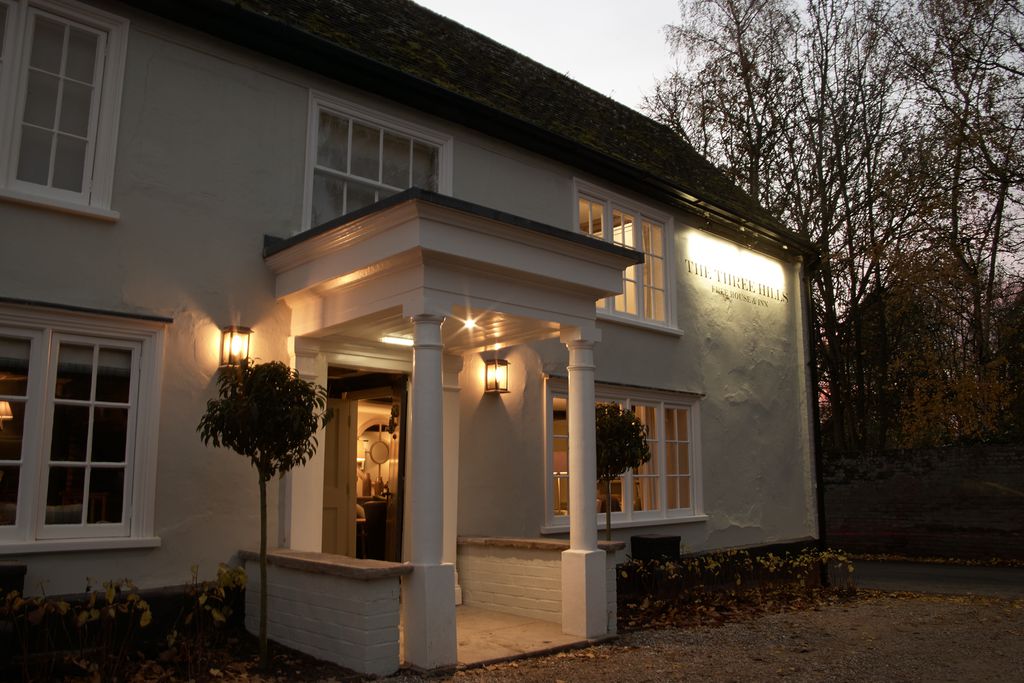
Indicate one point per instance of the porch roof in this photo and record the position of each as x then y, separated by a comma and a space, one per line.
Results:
363, 275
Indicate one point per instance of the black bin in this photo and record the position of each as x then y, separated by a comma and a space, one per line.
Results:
655, 547
12, 577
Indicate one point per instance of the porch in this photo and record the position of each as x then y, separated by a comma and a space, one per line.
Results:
450, 281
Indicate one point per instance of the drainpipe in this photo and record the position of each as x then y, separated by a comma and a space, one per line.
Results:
812, 368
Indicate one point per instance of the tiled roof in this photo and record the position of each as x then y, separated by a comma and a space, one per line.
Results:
408, 38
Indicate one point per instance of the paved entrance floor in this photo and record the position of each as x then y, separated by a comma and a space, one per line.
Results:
486, 636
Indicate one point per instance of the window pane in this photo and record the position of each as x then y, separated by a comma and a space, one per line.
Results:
396, 160
681, 425
81, 55
69, 163
64, 494
365, 152
12, 429
626, 302
654, 304
359, 195
14, 366
47, 45
560, 451
34, 156
70, 438
328, 198
424, 166
106, 495
75, 107
113, 377
654, 241
682, 488
9, 495
622, 228
74, 372
41, 99
602, 495
672, 494
645, 493
332, 142
591, 218
109, 434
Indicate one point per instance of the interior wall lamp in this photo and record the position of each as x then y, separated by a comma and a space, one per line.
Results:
234, 345
496, 376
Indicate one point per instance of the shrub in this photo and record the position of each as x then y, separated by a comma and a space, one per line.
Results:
716, 585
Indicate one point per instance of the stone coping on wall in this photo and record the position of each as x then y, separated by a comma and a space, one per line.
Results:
334, 565
533, 543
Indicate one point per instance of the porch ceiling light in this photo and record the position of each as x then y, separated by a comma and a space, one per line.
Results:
234, 345
496, 376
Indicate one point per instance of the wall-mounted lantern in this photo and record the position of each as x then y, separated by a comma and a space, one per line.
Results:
234, 345
496, 376
5, 413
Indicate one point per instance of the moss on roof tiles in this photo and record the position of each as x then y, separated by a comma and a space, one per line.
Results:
416, 41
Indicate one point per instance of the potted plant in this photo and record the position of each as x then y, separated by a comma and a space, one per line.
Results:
269, 414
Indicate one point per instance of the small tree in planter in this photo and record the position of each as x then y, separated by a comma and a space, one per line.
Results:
269, 414
621, 446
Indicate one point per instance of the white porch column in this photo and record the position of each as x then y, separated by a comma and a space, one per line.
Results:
452, 367
584, 598
428, 594
301, 504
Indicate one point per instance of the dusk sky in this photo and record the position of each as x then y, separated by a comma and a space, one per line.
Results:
616, 47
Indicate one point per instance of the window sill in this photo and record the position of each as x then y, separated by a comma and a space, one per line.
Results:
77, 545
627, 524
667, 330
105, 215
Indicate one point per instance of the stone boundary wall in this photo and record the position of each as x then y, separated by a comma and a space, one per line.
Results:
965, 502
524, 576
339, 609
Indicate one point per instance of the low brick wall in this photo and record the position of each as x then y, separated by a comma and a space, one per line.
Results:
523, 576
965, 502
339, 609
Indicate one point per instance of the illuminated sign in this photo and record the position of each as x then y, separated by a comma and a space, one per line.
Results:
734, 272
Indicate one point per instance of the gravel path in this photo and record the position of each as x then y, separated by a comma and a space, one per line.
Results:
883, 637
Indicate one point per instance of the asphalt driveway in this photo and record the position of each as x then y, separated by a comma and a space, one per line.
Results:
921, 577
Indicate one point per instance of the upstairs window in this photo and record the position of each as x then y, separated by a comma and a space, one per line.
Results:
358, 157
59, 101
644, 295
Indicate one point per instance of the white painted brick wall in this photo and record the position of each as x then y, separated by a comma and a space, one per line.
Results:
350, 622
522, 581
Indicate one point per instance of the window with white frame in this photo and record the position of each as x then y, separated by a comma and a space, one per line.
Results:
606, 217
358, 157
61, 67
666, 487
77, 410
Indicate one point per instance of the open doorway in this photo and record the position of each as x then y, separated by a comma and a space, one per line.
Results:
364, 468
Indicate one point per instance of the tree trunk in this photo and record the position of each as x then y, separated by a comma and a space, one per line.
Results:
264, 651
